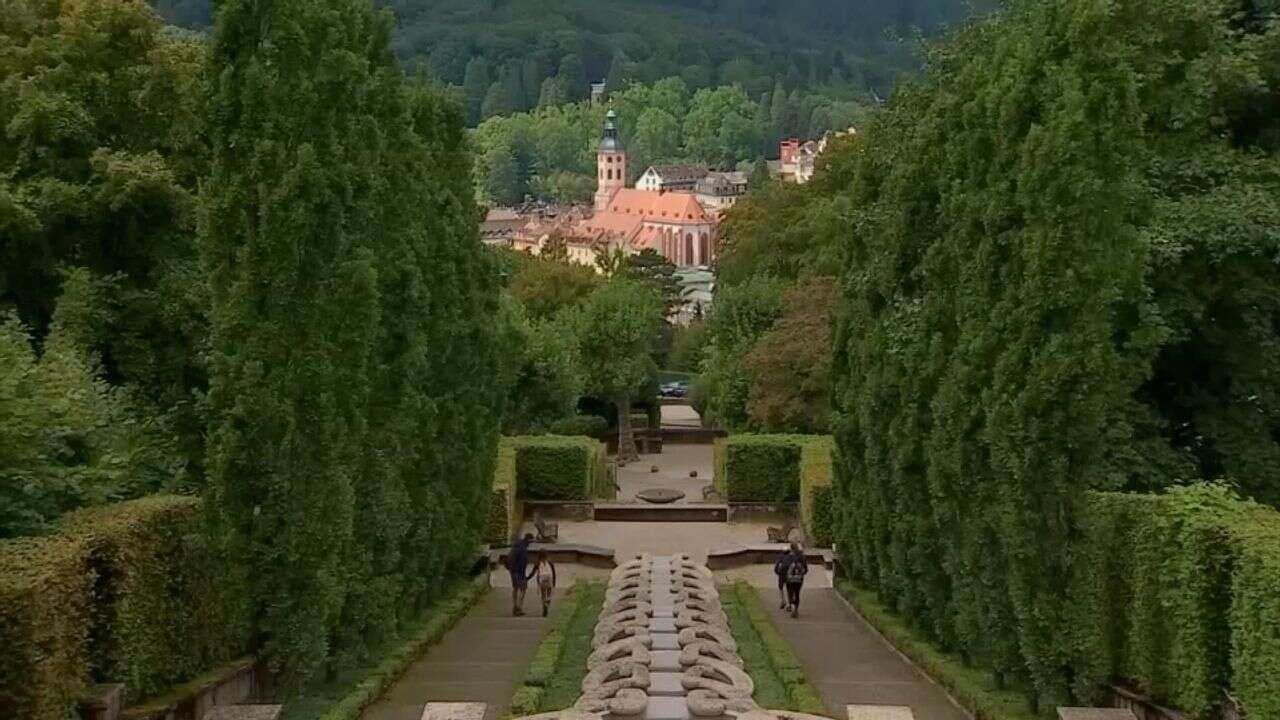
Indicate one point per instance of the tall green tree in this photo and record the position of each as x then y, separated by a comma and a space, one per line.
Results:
1052, 285
293, 267
475, 86
619, 332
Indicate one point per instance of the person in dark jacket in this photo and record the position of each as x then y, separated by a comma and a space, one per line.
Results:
780, 569
793, 577
518, 566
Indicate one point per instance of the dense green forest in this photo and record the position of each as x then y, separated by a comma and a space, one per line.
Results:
518, 54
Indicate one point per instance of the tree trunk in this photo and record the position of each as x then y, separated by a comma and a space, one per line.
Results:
626, 440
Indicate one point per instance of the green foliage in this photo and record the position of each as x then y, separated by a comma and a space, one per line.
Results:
548, 375
801, 696
770, 692
554, 467
817, 496
345, 696
976, 690
545, 288
526, 700
103, 148
353, 423
1033, 305
760, 468
739, 317
1255, 604
159, 616
505, 510
120, 593
67, 437
45, 589
619, 331
575, 627
788, 369
589, 425
688, 343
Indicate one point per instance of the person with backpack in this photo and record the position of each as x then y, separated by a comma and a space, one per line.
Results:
545, 571
518, 565
780, 569
796, 569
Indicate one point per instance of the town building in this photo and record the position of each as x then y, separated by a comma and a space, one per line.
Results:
672, 178
677, 225
798, 159
719, 191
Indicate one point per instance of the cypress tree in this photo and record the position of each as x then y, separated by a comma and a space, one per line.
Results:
287, 239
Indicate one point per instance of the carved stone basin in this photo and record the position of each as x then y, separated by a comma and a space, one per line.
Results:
660, 496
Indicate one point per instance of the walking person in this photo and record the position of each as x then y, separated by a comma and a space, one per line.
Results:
518, 566
797, 568
545, 571
780, 569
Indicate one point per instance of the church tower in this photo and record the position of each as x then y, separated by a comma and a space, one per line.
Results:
611, 163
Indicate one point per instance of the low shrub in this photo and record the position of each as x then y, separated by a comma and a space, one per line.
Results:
362, 689
973, 688
801, 695
588, 425
526, 700
45, 591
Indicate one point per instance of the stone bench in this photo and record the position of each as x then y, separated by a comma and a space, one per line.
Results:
453, 711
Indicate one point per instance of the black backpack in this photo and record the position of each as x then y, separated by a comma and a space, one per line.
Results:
796, 570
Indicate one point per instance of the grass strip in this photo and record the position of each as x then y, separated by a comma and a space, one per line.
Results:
554, 678
353, 689
975, 689
769, 691
801, 695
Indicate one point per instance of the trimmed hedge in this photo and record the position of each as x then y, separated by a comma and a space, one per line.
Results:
556, 467
439, 620
553, 671
1180, 596
504, 503
801, 695
973, 688
817, 499
45, 591
122, 593
758, 468
780, 469
160, 615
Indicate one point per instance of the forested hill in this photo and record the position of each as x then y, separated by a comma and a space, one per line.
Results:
545, 51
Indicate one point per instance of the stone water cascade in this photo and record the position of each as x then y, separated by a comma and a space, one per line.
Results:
663, 651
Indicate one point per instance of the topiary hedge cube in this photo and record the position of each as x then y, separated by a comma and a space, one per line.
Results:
504, 503
553, 467
817, 499
759, 468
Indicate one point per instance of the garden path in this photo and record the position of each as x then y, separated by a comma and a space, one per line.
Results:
482, 659
849, 663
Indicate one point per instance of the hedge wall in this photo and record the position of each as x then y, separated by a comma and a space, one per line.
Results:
554, 467
1180, 596
45, 590
504, 503
817, 500
121, 593
773, 468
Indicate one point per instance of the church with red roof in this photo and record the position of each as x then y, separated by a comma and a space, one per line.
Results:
675, 224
